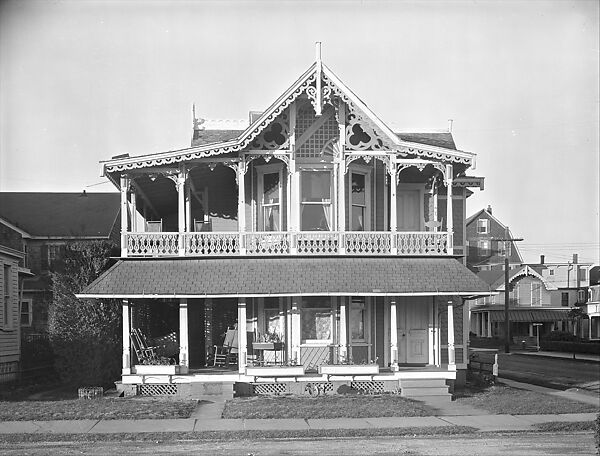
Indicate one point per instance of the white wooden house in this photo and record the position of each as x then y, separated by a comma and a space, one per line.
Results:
317, 225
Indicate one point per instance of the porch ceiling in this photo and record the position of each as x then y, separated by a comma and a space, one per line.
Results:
299, 276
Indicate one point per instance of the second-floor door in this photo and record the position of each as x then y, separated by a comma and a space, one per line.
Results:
409, 209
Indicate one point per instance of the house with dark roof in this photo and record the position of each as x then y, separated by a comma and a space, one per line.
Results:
489, 243
40, 225
312, 248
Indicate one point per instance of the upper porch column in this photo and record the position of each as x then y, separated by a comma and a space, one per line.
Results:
124, 215
181, 178
451, 352
393, 203
293, 186
449, 208
340, 169
241, 172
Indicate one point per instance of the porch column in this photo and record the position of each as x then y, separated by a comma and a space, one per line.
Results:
435, 203
393, 334
124, 211
295, 330
393, 204
449, 209
242, 336
288, 328
133, 211
451, 353
181, 209
188, 208
341, 177
126, 342
241, 204
343, 354
184, 355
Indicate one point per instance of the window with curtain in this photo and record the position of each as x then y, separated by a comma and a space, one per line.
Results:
357, 318
272, 320
315, 207
316, 319
358, 201
271, 202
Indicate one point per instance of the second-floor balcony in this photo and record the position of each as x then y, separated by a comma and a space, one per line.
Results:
203, 244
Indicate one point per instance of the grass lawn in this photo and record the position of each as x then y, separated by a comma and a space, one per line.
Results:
324, 407
94, 409
499, 399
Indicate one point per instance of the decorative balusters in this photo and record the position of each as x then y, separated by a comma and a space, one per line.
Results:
367, 242
268, 243
317, 242
281, 243
212, 244
152, 244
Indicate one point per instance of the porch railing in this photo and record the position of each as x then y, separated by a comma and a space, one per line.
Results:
418, 243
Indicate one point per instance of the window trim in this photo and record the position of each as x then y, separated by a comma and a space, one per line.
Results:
261, 170
29, 314
485, 224
365, 171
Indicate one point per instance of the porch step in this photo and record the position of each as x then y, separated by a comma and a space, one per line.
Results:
435, 389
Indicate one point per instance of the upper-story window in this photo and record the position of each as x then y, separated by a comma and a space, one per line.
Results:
503, 248
483, 226
551, 272
564, 299
582, 274
269, 185
360, 214
484, 248
315, 208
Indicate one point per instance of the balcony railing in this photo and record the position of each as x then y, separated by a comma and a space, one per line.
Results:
202, 244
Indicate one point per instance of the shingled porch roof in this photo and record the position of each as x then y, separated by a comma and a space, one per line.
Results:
279, 276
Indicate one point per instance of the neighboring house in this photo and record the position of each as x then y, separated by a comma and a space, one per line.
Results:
315, 225
592, 310
12, 274
486, 240
540, 294
41, 225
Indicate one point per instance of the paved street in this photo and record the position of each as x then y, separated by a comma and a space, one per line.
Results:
484, 445
552, 371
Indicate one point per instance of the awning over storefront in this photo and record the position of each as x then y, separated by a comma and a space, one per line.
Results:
285, 276
530, 315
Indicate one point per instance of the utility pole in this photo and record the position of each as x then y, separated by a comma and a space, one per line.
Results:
506, 240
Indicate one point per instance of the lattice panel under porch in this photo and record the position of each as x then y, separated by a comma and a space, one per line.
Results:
368, 387
312, 147
269, 388
157, 390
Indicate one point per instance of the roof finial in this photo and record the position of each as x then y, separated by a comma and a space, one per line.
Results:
450, 122
318, 51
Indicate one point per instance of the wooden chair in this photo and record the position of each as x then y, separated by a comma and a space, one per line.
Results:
226, 354
154, 226
145, 353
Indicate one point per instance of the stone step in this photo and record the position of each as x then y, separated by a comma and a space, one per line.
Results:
412, 392
423, 383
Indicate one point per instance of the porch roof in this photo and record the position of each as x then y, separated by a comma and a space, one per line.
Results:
278, 276
530, 315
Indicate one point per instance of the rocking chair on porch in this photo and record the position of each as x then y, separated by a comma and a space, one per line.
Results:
226, 354
145, 353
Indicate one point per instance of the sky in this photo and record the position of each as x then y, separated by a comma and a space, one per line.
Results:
82, 81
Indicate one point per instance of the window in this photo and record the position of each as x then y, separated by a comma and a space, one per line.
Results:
503, 248
582, 274
51, 255
6, 300
551, 272
26, 312
564, 299
272, 320
483, 226
358, 319
536, 294
359, 202
315, 208
484, 248
581, 296
316, 319
270, 201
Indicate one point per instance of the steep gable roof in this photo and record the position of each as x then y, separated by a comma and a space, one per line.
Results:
70, 215
495, 278
413, 145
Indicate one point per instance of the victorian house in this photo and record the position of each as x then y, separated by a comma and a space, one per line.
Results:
329, 247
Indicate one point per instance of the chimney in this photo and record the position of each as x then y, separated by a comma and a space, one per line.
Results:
489, 209
542, 259
575, 258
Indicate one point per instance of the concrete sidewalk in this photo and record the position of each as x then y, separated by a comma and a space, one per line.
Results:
563, 355
482, 423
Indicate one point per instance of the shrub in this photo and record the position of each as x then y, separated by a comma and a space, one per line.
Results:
560, 336
85, 334
597, 434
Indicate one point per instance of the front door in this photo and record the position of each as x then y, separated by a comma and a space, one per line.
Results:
408, 209
413, 323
